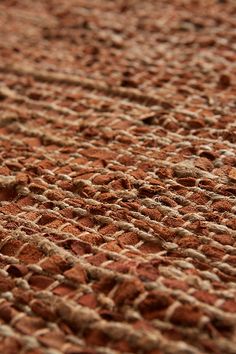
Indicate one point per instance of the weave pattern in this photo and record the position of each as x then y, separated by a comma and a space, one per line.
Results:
117, 177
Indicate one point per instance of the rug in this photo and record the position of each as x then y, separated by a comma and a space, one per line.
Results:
117, 177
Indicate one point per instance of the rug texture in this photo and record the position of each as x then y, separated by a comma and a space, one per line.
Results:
117, 177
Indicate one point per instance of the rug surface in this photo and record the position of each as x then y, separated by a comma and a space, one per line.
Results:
117, 177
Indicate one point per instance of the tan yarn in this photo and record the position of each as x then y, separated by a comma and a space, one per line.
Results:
117, 177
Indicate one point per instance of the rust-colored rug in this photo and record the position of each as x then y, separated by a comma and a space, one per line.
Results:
117, 177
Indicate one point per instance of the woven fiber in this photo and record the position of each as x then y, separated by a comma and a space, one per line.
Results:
117, 177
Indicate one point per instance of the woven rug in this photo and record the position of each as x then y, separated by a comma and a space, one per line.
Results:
117, 177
